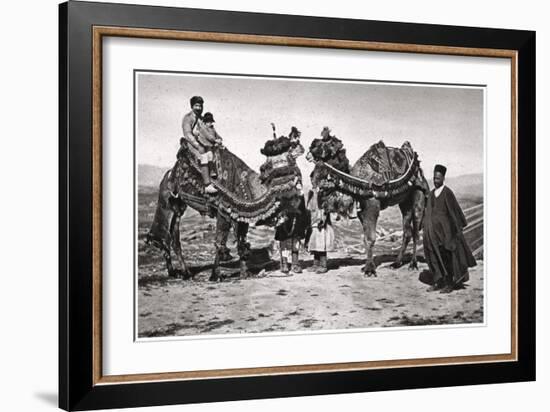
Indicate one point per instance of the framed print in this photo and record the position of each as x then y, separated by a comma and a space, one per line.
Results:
257, 206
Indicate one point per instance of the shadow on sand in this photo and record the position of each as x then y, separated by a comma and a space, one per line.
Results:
259, 260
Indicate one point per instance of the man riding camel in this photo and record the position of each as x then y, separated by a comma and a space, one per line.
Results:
200, 135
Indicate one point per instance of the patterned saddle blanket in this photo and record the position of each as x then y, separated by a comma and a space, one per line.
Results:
241, 193
382, 172
382, 164
236, 178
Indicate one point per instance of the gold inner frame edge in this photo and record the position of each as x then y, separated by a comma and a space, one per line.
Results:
100, 31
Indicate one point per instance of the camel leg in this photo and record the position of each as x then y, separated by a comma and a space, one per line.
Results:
185, 273
163, 245
223, 225
165, 227
418, 205
414, 262
169, 266
221, 242
163, 242
216, 273
370, 210
407, 213
243, 248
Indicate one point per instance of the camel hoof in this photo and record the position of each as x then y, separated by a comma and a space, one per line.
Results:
184, 274
413, 265
244, 274
215, 276
179, 274
369, 269
397, 264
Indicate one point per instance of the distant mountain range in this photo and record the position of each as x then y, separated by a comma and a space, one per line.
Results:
470, 185
150, 176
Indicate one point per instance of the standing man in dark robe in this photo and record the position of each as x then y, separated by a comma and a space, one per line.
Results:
447, 253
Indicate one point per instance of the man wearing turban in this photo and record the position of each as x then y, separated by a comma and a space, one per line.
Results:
447, 253
192, 124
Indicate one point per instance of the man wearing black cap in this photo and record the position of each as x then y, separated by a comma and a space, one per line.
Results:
191, 124
447, 253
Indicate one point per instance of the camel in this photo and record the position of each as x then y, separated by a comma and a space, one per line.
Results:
243, 197
381, 178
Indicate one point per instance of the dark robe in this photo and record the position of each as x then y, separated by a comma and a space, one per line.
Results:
295, 224
447, 253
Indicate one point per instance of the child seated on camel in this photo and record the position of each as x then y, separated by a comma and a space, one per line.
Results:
200, 141
320, 236
208, 137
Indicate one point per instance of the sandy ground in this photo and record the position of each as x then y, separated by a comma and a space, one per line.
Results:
271, 301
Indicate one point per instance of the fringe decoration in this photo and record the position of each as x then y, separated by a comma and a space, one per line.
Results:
358, 187
252, 211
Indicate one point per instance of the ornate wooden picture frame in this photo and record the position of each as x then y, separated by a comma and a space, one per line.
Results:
82, 382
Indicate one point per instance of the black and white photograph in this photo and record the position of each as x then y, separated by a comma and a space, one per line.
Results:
297, 206
292, 204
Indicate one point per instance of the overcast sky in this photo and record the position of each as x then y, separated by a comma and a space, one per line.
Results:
444, 124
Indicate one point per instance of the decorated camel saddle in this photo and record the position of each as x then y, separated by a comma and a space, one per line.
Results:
242, 193
382, 171
382, 165
280, 164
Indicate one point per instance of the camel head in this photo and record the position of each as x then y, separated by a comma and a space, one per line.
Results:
329, 150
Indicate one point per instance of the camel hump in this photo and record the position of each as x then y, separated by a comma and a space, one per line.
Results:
236, 177
381, 164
